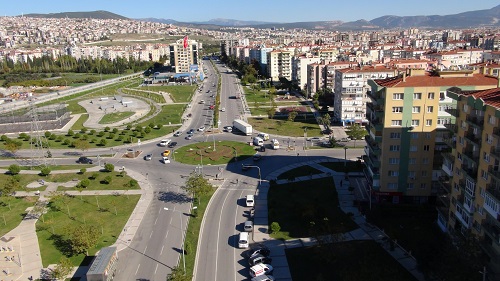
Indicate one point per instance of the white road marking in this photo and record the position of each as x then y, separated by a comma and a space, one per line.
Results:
166, 235
156, 268
156, 220
218, 237
137, 269
234, 248
162, 249
145, 249
150, 235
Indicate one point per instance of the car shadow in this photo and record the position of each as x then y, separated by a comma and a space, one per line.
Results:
233, 240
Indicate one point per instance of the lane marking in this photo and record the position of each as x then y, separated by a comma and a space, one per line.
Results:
156, 268
156, 220
137, 269
218, 237
161, 253
150, 234
145, 250
234, 248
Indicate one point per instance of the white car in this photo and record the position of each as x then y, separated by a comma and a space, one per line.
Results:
165, 142
201, 129
166, 160
260, 269
223, 109
178, 133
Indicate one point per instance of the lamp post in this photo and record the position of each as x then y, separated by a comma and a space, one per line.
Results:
183, 236
251, 166
345, 156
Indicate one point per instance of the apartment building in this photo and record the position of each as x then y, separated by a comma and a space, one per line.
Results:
472, 182
279, 64
403, 130
299, 68
351, 86
184, 59
260, 55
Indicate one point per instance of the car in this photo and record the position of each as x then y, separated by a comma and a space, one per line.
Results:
256, 259
345, 139
257, 157
228, 128
248, 226
164, 142
223, 109
172, 144
262, 250
263, 278
211, 107
191, 131
178, 133
314, 139
148, 157
188, 137
166, 160
166, 153
201, 129
84, 160
202, 102
261, 269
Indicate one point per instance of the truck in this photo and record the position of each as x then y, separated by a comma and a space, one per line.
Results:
275, 143
243, 126
258, 141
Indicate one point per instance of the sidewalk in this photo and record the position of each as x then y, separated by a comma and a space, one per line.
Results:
20, 256
365, 231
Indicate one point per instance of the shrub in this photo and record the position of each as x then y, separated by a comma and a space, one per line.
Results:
59, 139
66, 142
147, 130
92, 132
138, 128
84, 183
129, 127
21, 136
14, 169
70, 132
100, 134
103, 142
53, 137
106, 129
83, 130
132, 183
275, 227
4, 138
45, 171
108, 179
47, 134
115, 130
77, 136
94, 140
94, 176
111, 136
119, 138
151, 125
83, 171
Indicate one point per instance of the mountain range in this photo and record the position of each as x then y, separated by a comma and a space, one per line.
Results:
478, 18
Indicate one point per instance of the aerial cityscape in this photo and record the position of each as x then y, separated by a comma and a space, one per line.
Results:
280, 141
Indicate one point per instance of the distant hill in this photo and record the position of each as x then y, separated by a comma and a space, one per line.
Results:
230, 22
165, 21
84, 15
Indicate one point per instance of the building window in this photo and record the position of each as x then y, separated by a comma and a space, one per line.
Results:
414, 135
489, 139
427, 147
393, 173
423, 185
397, 109
397, 96
424, 174
442, 95
430, 109
410, 185
492, 120
417, 96
415, 123
396, 122
415, 109
393, 161
411, 175
463, 125
465, 108
412, 161
484, 175
430, 96
395, 135
413, 148
425, 160
486, 157
428, 122
461, 140
428, 135
394, 147
392, 185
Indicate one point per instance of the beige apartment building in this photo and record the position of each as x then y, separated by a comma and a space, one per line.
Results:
404, 136
184, 59
472, 181
279, 64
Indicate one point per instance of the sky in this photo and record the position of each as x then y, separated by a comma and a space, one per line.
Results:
281, 11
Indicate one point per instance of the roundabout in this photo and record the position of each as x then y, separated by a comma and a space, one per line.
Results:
207, 154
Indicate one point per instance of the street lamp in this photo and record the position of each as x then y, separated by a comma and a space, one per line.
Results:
251, 166
345, 156
183, 236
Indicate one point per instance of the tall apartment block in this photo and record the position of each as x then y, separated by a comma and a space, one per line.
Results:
183, 59
404, 135
472, 181
279, 64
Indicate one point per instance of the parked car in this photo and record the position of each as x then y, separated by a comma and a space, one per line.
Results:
148, 157
260, 269
345, 139
223, 109
257, 259
228, 128
262, 250
248, 226
84, 160
164, 142
263, 278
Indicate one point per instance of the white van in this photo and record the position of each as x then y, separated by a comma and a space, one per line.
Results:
164, 142
263, 136
249, 201
243, 240
258, 141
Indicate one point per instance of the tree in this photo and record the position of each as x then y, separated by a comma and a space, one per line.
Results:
83, 145
45, 171
108, 179
197, 185
275, 227
109, 167
83, 237
13, 146
271, 112
62, 269
356, 132
83, 171
14, 169
292, 115
178, 274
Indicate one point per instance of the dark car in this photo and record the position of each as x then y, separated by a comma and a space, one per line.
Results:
261, 250
84, 160
259, 258
191, 131
148, 157
172, 144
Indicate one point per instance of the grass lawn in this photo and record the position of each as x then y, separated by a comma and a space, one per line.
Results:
56, 167
115, 117
11, 217
170, 113
286, 128
179, 93
350, 166
345, 261
193, 232
144, 92
53, 228
299, 172
78, 125
203, 152
296, 205
255, 96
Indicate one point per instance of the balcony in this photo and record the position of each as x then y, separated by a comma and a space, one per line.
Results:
453, 111
494, 172
473, 138
451, 142
477, 121
496, 132
375, 96
495, 151
448, 156
494, 190
372, 161
374, 148
492, 229
470, 171
451, 127
473, 155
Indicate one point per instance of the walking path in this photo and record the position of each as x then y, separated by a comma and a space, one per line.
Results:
20, 257
365, 231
